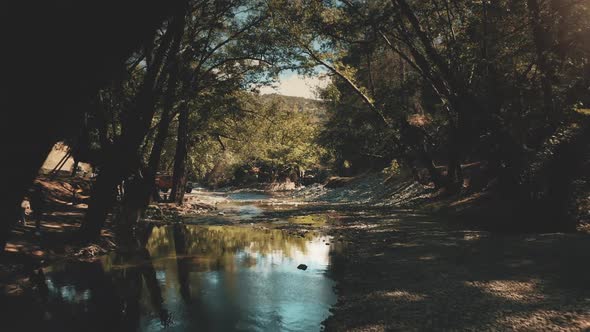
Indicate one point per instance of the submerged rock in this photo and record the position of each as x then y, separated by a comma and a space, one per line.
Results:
302, 267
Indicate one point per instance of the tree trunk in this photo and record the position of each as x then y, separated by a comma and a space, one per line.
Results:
542, 45
162, 134
413, 138
136, 188
171, 67
459, 133
449, 86
101, 201
155, 157
28, 157
179, 175
124, 159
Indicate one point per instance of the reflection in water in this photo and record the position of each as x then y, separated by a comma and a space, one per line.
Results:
216, 278
182, 262
248, 196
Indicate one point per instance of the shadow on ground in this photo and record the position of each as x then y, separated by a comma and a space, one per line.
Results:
404, 271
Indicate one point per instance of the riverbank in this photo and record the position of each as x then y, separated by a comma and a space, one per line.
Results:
406, 271
64, 206
478, 205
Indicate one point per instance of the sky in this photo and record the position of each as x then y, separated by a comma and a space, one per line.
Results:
292, 84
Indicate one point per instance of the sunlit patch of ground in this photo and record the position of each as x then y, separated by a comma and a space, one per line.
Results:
404, 296
549, 320
517, 291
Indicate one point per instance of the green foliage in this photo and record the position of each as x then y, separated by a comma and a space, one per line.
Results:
276, 134
243, 130
491, 77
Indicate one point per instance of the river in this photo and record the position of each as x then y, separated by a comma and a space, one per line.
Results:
201, 275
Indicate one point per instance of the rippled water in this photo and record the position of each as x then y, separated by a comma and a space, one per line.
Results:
198, 278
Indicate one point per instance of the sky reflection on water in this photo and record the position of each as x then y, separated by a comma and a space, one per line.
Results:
216, 278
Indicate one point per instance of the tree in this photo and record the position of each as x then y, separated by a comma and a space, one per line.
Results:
123, 159
103, 39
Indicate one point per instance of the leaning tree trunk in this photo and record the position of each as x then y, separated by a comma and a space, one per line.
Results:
101, 202
162, 134
155, 157
125, 161
179, 175
150, 191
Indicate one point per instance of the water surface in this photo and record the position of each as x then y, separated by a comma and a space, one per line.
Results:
199, 278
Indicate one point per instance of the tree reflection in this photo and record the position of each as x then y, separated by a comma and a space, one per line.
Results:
130, 271
120, 291
215, 247
182, 262
105, 295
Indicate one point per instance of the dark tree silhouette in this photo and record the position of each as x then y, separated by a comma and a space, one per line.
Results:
60, 54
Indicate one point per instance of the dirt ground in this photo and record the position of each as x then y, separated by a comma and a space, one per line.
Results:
402, 271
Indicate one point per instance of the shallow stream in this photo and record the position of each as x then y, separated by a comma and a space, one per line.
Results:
194, 277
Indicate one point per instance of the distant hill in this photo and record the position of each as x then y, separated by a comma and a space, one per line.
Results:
315, 108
